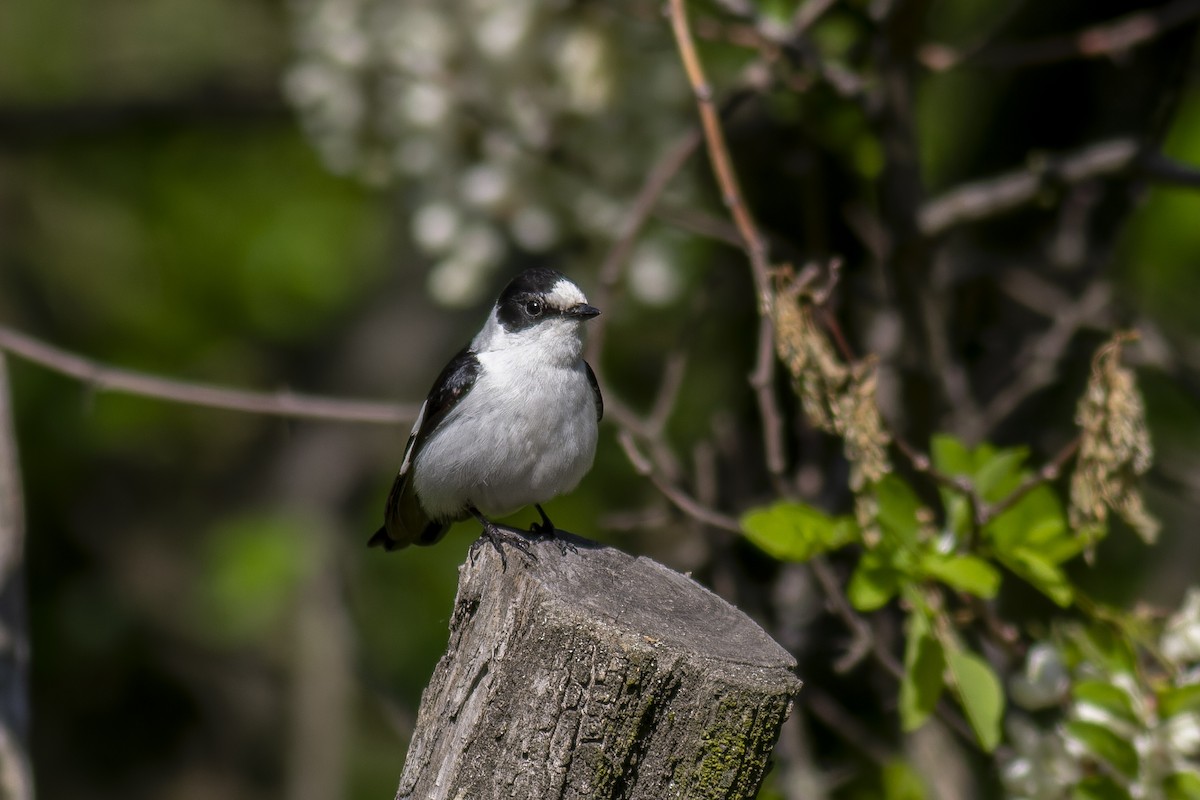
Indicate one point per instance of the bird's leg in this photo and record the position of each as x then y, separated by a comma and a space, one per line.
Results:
497, 536
546, 529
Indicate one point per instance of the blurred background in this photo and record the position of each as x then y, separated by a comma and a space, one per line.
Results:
325, 196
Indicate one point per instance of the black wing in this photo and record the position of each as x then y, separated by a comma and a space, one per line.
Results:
452, 385
405, 522
595, 392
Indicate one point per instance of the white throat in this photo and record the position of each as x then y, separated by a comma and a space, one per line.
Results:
558, 340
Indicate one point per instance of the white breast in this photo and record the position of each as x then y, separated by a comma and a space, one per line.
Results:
524, 434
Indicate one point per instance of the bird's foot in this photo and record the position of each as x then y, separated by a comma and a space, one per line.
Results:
545, 527
498, 537
546, 530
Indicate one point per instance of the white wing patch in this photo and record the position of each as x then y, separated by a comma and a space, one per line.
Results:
412, 439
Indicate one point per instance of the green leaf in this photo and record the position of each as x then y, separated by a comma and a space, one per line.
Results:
1107, 696
1105, 745
1099, 787
1182, 786
980, 694
994, 472
1044, 576
1100, 644
958, 511
873, 584
797, 532
901, 782
1000, 473
950, 456
924, 673
968, 574
1179, 699
1035, 519
898, 506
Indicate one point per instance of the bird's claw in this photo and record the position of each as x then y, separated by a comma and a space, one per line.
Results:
497, 537
546, 530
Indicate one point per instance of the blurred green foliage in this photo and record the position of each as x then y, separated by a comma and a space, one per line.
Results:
1162, 241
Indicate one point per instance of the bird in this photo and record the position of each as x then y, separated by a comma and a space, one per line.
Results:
510, 422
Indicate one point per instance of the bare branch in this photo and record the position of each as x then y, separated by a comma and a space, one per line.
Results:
104, 378
865, 642
1040, 357
923, 464
807, 13
1047, 473
680, 499
763, 382
718, 153
965, 414
993, 196
1110, 39
647, 197
825, 707
1167, 170
668, 392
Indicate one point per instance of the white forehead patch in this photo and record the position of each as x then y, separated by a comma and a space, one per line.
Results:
565, 294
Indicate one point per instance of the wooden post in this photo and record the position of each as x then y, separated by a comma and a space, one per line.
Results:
593, 674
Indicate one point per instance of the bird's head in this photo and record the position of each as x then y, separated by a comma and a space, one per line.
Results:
538, 307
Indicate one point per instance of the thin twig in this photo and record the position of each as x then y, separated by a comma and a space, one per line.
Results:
938, 57
1169, 171
983, 512
1109, 39
102, 377
680, 499
650, 427
965, 414
807, 13
1043, 353
865, 642
990, 197
763, 382
826, 708
1046, 474
718, 154
640, 211
957, 483
701, 223
674, 371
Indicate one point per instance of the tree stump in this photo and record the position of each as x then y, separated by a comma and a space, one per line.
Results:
594, 674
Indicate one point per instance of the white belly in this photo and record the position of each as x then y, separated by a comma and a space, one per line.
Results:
543, 447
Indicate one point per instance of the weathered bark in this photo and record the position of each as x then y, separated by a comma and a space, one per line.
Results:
594, 674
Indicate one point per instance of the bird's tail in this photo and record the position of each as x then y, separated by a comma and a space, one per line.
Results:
383, 539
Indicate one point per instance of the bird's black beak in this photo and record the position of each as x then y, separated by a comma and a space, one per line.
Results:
582, 311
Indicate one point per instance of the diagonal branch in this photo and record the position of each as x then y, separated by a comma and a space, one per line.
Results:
102, 377
1109, 39
659, 177
990, 197
718, 153
679, 498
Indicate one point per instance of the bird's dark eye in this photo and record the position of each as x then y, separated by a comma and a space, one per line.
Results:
533, 308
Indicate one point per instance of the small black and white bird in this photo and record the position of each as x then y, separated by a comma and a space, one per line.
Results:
511, 421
